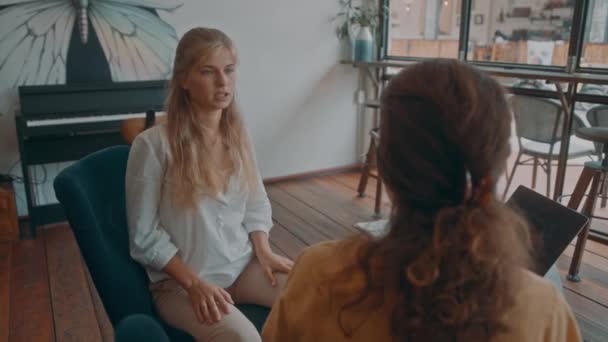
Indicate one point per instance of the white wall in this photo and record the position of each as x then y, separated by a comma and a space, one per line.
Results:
296, 97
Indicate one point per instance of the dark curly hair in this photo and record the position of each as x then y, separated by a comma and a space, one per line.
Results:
451, 257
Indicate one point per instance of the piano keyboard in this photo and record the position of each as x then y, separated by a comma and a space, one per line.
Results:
85, 119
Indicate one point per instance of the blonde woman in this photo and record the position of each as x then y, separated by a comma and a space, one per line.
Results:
198, 214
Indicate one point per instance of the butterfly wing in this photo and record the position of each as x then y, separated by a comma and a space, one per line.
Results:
13, 2
167, 5
138, 45
34, 40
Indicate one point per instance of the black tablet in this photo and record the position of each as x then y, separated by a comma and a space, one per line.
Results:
553, 226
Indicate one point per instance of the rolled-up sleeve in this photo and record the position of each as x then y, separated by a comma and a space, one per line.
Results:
149, 243
258, 212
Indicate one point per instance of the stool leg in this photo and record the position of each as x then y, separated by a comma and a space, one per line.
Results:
587, 211
510, 176
534, 170
581, 187
369, 161
378, 204
549, 178
603, 159
604, 192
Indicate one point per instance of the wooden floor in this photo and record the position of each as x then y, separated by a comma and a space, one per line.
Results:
46, 294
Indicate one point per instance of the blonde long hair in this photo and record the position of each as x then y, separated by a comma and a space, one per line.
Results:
192, 174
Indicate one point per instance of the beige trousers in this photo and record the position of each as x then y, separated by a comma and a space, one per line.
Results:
251, 287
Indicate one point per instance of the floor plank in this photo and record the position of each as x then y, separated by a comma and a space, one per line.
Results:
351, 180
587, 314
597, 248
31, 317
333, 206
361, 206
5, 280
73, 309
594, 247
586, 288
350, 183
322, 223
287, 242
300, 228
598, 263
105, 326
588, 272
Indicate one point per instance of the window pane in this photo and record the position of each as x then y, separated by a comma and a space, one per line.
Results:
595, 49
521, 31
594, 89
424, 28
598, 90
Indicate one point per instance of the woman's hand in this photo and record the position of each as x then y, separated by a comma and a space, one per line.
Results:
272, 262
210, 303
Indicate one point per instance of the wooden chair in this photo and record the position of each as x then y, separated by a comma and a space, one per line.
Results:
371, 157
370, 163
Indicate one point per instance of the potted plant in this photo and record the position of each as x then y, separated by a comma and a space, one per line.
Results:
358, 26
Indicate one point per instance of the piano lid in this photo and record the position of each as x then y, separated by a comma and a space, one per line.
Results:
49, 101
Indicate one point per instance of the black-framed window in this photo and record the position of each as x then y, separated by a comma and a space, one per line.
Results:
531, 32
537, 34
594, 53
423, 28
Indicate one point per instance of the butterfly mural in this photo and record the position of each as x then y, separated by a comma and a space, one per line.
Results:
35, 38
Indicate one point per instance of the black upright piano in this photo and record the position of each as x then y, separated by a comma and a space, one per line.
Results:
59, 123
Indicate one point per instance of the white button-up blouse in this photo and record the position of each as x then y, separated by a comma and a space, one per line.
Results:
212, 238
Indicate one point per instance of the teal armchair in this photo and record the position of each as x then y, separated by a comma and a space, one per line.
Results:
92, 193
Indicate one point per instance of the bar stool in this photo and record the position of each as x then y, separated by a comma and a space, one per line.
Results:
593, 173
382, 76
370, 162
